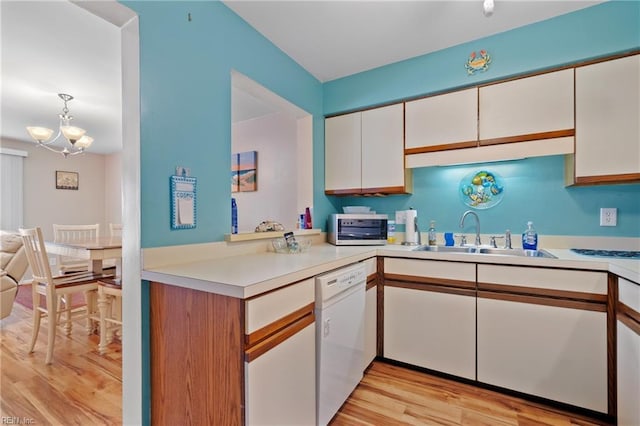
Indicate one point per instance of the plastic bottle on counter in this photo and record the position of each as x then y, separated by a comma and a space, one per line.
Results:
391, 231
530, 238
234, 216
432, 233
308, 222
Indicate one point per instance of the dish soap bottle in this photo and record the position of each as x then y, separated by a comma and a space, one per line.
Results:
530, 238
432, 233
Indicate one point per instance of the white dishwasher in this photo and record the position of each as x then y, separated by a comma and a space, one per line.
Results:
340, 304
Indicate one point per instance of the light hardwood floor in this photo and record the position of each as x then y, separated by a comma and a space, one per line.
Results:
83, 388
392, 395
80, 387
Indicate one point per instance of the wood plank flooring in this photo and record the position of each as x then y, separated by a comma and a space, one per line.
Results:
83, 388
392, 395
80, 387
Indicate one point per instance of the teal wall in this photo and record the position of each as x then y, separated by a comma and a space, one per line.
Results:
534, 187
185, 85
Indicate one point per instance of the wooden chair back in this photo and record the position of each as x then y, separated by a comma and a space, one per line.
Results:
67, 233
70, 233
36, 252
115, 230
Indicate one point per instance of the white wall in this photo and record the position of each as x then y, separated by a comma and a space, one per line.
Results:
275, 137
95, 201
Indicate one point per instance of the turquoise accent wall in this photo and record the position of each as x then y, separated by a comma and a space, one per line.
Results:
185, 85
535, 187
533, 190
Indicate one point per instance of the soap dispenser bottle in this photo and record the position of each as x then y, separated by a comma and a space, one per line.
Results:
432, 233
530, 238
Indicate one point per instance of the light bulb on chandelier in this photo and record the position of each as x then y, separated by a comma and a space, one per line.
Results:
76, 136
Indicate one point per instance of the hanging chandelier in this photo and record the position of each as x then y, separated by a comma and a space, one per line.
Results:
76, 136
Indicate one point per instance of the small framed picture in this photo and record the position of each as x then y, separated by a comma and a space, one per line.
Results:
66, 180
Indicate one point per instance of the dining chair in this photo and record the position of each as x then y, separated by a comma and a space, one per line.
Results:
110, 307
115, 230
70, 233
53, 289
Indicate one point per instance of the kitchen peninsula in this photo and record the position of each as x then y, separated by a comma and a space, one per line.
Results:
222, 319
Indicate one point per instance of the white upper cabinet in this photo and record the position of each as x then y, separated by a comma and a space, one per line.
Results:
522, 109
343, 152
364, 152
442, 122
608, 121
383, 148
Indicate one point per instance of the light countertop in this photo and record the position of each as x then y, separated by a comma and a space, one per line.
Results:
248, 275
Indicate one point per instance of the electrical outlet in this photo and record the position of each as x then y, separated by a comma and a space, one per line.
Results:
608, 216
401, 217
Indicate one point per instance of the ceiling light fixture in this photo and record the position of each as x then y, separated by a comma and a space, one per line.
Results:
488, 7
75, 135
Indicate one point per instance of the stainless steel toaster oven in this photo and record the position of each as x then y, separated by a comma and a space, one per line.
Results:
357, 229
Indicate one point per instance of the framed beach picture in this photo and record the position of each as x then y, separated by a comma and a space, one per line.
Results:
244, 171
66, 180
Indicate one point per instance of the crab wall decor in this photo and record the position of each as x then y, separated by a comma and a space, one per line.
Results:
478, 63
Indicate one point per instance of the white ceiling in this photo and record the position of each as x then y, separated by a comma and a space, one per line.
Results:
50, 47
333, 39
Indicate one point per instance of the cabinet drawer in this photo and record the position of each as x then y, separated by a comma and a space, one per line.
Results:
431, 268
264, 310
541, 278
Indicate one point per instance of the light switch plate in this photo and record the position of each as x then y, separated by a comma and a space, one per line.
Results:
608, 216
401, 217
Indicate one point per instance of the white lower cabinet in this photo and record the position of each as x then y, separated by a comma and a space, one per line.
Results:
370, 313
280, 361
628, 353
547, 351
281, 383
370, 321
532, 339
428, 322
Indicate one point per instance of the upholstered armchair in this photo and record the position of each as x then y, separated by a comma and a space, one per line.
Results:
13, 265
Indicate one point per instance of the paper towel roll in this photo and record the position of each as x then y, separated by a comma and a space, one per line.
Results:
410, 234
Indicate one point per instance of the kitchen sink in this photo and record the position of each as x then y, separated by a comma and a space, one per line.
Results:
447, 249
486, 250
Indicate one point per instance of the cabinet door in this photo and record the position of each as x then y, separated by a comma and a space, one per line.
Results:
430, 329
383, 148
442, 122
548, 351
281, 383
370, 323
628, 353
607, 116
528, 106
343, 153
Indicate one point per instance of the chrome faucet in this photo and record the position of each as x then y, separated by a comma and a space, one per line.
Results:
464, 215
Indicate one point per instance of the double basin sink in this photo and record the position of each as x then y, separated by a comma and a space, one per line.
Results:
480, 250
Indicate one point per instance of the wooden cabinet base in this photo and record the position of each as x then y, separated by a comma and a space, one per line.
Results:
196, 357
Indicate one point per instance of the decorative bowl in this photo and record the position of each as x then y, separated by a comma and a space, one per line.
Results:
280, 245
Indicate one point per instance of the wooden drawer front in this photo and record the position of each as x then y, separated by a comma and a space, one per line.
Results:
541, 278
430, 268
629, 294
552, 352
271, 307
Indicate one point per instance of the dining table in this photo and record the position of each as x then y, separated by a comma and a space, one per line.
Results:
95, 250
